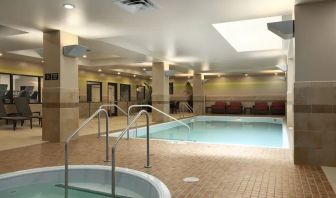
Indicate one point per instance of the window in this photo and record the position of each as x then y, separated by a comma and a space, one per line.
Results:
5, 93
94, 91
141, 93
171, 88
26, 86
125, 92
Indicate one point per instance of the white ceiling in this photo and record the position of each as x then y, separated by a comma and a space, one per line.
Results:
180, 31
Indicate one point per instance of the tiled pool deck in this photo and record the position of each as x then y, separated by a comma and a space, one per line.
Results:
224, 171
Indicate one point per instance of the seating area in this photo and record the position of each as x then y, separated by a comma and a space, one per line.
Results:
259, 108
23, 113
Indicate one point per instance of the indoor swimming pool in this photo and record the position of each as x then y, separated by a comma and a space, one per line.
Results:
250, 131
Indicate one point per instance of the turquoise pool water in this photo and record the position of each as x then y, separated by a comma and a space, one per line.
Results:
48, 190
263, 132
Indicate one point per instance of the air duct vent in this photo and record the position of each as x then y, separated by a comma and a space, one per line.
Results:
134, 6
284, 29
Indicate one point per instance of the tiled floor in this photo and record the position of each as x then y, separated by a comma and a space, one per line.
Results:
224, 171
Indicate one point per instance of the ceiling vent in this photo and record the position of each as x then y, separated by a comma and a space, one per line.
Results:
134, 6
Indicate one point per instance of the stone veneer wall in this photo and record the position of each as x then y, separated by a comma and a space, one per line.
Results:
315, 123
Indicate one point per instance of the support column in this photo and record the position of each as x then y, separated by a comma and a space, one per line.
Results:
198, 95
60, 96
315, 84
160, 94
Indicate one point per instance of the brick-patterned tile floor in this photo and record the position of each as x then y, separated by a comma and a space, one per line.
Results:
223, 170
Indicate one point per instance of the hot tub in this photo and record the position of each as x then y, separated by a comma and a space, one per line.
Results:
85, 181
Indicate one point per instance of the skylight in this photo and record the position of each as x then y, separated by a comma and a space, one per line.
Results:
250, 35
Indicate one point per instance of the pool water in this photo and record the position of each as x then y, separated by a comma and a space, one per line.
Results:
265, 134
44, 190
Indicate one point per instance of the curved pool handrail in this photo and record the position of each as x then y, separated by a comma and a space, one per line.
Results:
114, 146
158, 110
67, 141
108, 105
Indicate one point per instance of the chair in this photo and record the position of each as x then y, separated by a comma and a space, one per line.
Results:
23, 108
260, 108
278, 108
235, 107
218, 107
12, 117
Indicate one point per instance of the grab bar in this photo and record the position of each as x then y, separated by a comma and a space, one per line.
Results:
108, 105
188, 107
114, 146
150, 106
66, 163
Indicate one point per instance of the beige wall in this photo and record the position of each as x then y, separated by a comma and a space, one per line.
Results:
247, 89
85, 76
315, 84
27, 68
20, 67
179, 89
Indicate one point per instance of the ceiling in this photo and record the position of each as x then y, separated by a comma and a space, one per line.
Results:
179, 31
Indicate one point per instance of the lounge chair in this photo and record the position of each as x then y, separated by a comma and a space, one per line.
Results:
260, 108
23, 108
218, 107
235, 107
12, 117
278, 108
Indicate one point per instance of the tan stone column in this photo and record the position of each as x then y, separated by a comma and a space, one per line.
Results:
61, 96
160, 94
198, 94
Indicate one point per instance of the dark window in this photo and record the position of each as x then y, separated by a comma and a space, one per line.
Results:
171, 88
125, 92
141, 93
5, 87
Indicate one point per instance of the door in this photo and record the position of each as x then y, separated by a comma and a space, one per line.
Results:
112, 98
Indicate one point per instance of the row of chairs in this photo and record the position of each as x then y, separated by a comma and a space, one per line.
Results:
260, 107
23, 113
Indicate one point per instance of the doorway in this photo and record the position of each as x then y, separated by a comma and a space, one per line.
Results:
112, 98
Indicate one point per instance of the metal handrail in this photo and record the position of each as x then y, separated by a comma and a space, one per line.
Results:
190, 108
114, 146
108, 105
150, 106
67, 141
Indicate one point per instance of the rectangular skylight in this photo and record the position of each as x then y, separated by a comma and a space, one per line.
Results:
250, 35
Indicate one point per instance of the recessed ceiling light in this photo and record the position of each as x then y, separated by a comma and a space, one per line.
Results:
100, 70
1, 54
84, 56
245, 75
118, 73
134, 75
42, 61
250, 35
144, 69
68, 6
151, 78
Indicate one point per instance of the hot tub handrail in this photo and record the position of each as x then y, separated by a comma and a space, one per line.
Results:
108, 105
114, 146
67, 141
150, 106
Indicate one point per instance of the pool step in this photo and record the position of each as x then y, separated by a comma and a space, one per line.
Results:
90, 191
